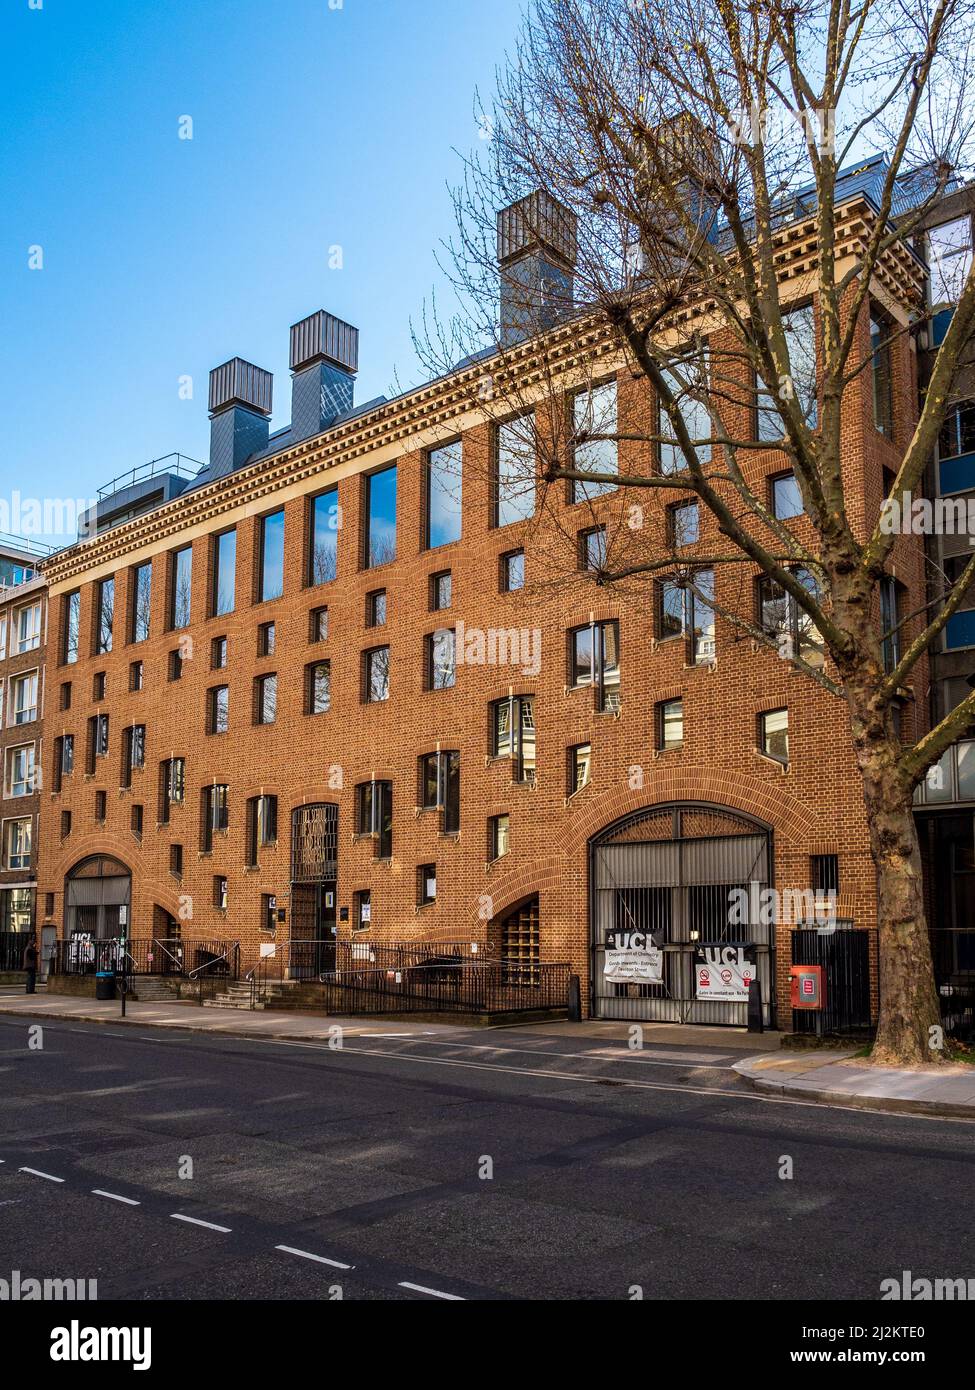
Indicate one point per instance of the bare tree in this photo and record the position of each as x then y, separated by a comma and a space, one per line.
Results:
696, 149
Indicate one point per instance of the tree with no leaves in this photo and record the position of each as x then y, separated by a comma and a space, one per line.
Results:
683, 139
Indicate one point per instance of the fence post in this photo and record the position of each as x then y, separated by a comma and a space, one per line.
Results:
755, 1023
575, 999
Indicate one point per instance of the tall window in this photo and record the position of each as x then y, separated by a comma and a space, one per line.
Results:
180, 587
323, 534
499, 836
594, 659
514, 471
106, 616
224, 591
101, 735
19, 779
380, 511
687, 382
594, 413
440, 787
218, 709
773, 734
786, 497
72, 627
685, 608
883, 392
141, 600
17, 844
789, 625
172, 785
215, 814
949, 259
24, 692
683, 524
376, 675
800, 384
265, 699
513, 734
318, 687
374, 815
441, 666
27, 628
592, 549
889, 620
442, 512
579, 767
271, 556
262, 825
670, 724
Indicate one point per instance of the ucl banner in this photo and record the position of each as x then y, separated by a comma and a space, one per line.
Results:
631, 955
723, 971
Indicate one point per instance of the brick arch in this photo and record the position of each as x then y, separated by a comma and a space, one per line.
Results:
509, 889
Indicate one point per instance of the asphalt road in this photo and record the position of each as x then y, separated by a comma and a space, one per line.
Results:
503, 1164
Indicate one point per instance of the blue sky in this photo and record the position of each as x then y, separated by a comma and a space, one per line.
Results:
313, 127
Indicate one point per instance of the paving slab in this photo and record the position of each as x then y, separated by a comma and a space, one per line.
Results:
947, 1091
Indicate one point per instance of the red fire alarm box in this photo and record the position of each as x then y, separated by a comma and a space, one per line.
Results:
808, 987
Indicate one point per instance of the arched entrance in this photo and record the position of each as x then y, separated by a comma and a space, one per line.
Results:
676, 934
314, 870
95, 891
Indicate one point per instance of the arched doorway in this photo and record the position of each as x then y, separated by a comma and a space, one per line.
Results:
95, 891
675, 931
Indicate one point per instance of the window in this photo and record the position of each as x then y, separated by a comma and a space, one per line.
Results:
172, 775
266, 638
265, 699
374, 815
889, 623
376, 675
514, 471
318, 687
594, 413
220, 895
175, 668
262, 826
26, 628
380, 514
883, 385
98, 685
270, 556
426, 884
592, 549
218, 653
23, 691
105, 608
90, 741
442, 505
512, 571
101, 735
65, 824
223, 590
376, 608
669, 724
101, 805
140, 601
218, 709
689, 376
960, 629
180, 587
176, 860
683, 525
215, 818
499, 828
269, 912
790, 626
579, 767
773, 734
958, 432
362, 919
441, 587
594, 659
800, 337
786, 497
949, 249
135, 675
66, 695
318, 625
683, 610
16, 844
133, 751
440, 787
136, 820
71, 630
323, 532
65, 761
825, 874
441, 672
513, 734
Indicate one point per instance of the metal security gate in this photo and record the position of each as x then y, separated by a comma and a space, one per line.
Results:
686, 877
314, 870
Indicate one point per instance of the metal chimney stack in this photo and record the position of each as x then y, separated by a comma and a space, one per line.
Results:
240, 408
324, 361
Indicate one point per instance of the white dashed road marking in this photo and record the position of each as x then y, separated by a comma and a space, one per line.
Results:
115, 1197
307, 1255
176, 1216
38, 1174
434, 1293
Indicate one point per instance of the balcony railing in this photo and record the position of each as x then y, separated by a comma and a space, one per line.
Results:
180, 464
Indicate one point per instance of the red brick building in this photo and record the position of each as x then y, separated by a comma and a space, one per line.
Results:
271, 737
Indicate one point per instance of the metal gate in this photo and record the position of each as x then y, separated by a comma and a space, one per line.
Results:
688, 877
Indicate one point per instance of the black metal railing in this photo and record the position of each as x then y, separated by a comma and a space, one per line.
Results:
13, 944
844, 951
311, 960
180, 958
953, 955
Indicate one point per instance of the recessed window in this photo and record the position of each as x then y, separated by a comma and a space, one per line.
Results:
98, 685
441, 591
579, 767
101, 804
65, 701
215, 814
592, 549
265, 699
262, 826
218, 653
135, 675
137, 746
514, 471
25, 629
362, 917
380, 514
218, 709
670, 724
374, 815
881, 330
512, 571
175, 665
180, 587
269, 912
800, 338
786, 497
513, 734
65, 761
318, 687
172, 777
376, 608
426, 884
220, 894
825, 873
101, 735
685, 608
266, 637
176, 860
499, 835
442, 502
439, 775
71, 627
270, 556
441, 670
789, 626
594, 659
19, 775
773, 734
318, 625
105, 619
595, 446
376, 675
683, 525
140, 601
687, 382
65, 824
323, 532
17, 844
23, 691
135, 820
224, 576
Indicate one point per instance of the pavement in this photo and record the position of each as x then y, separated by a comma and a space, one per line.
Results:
839, 1078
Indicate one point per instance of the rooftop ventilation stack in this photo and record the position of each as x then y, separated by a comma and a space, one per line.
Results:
324, 361
240, 408
537, 249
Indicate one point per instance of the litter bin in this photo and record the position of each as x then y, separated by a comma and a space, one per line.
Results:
105, 984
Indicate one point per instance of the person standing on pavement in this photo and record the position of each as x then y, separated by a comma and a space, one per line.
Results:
30, 965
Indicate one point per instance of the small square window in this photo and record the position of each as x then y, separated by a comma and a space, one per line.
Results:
318, 625
441, 591
265, 639
376, 608
218, 653
426, 884
512, 571
773, 734
135, 675
670, 724
499, 828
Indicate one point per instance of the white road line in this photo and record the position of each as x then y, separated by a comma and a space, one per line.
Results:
307, 1255
38, 1174
116, 1197
176, 1216
434, 1293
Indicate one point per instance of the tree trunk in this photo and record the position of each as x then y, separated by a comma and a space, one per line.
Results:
909, 1026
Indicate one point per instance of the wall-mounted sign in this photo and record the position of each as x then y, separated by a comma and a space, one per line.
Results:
632, 955
723, 971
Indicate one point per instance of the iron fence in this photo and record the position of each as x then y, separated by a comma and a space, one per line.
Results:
319, 960
85, 955
13, 944
844, 951
953, 955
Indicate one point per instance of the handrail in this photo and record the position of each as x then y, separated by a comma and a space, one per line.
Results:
207, 965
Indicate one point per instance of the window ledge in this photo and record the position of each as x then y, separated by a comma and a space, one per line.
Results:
768, 758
